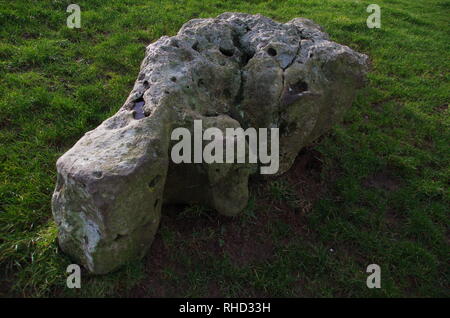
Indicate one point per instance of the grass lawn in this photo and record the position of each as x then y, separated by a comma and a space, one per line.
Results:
373, 190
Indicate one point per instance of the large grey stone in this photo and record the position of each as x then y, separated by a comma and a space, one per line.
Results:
236, 70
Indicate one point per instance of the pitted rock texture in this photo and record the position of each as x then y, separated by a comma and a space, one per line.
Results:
236, 70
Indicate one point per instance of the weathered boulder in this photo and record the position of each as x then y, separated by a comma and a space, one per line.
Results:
236, 70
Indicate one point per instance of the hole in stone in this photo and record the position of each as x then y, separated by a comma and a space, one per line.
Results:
210, 114
146, 84
272, 52
97, 174
138, 109
154, 181
226, 52
294, 92
247, 57
201, 83
120, 236
298, 87
195, 46
173, 79
166, 92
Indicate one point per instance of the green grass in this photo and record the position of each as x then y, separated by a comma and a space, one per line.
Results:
379, 195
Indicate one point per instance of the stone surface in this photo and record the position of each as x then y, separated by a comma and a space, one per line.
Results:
236, 70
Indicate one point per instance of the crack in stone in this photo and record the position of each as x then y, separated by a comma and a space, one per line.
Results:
283, 88
246, 55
